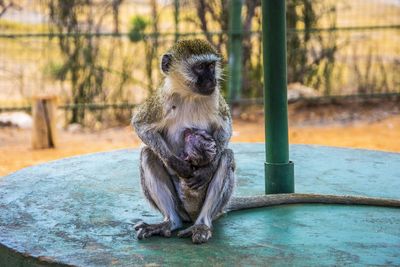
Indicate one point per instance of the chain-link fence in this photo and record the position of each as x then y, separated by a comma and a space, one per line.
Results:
103, 55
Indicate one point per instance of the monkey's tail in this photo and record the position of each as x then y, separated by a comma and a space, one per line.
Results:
240, 203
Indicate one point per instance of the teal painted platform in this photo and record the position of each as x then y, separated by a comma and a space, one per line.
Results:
81, 211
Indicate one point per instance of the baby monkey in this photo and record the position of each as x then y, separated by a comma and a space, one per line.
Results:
199, 148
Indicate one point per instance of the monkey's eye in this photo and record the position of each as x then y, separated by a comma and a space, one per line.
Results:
199, 68
211, 66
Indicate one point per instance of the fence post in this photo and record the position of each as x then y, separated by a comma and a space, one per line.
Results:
44, 122
235, 50
279, 171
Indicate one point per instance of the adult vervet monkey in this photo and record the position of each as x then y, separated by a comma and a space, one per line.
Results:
189, 97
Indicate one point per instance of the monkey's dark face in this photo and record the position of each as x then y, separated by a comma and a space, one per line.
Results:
200, 73
205, 76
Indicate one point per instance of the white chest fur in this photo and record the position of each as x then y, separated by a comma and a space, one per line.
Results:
182, 113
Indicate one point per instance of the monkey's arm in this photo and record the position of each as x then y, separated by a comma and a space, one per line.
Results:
222, 135
223, 132
144, 123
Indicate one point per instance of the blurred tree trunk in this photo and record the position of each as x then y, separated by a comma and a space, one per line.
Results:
152, 46
311, 55
298, 42
248, 87
6, 5
218, 11
115, 10
75, 21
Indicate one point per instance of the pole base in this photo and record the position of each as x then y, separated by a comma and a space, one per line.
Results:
279, 178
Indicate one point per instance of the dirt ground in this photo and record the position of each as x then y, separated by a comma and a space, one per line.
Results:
370, 128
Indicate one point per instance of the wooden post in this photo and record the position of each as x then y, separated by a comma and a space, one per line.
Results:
44, 122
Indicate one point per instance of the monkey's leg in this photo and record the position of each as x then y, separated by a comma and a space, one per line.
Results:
159, 189
218, 194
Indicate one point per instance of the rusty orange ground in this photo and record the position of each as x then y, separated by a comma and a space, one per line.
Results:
15, 151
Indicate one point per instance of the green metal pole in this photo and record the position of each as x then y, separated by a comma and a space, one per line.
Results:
235, 50
279, 171
176, 17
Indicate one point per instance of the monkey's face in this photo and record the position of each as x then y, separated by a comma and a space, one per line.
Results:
204, 75
199, 73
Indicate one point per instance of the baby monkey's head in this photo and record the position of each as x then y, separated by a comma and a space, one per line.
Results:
195, 64
199, 147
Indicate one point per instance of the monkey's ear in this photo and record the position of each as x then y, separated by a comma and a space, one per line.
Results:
166, 62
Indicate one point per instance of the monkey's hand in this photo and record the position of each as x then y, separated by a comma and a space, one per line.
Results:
201, 177
181, 167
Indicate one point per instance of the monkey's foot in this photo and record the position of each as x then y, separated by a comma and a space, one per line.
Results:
144, 230
200, 233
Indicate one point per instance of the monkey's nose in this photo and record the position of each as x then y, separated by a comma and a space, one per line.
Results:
210, 83
207, 87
